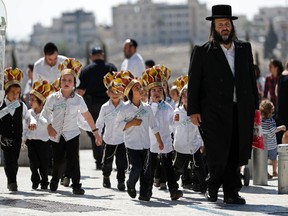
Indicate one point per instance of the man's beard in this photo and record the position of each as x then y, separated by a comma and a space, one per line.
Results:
225, 39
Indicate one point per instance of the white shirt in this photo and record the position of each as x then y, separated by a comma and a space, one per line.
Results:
25, 114
135, 64
137, 137
164, 119
43, 71
187, 139
230, 56
112, 135
63, 113
41, 132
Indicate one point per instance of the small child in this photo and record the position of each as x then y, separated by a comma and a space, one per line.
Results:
174, 93
163, 114
12, 114
135, 119
60, 114
113, 137
269, 130
37, 140
187, 144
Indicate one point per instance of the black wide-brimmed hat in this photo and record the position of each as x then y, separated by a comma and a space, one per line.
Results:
221, 11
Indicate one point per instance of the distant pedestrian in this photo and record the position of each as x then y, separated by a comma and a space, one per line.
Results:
28, 86
133, 60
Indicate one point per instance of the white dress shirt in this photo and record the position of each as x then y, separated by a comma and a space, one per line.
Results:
164, 118
40, 133
25, 114
63, 113
137, 137
187, 139
43, 71
112, 135
135, 64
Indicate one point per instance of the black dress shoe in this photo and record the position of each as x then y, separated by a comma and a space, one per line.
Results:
235, 200
131, 191
211, 196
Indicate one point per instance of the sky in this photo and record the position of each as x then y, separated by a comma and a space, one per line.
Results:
23, 14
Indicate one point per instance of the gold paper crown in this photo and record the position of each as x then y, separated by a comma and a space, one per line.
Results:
180, 82
12, 76
123, 82
70, 65
56, 85
155, 76
108, 78
41, 90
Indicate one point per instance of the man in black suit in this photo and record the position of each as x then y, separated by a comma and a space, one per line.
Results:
222, 99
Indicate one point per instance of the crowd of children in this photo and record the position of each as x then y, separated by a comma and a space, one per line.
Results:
138, 108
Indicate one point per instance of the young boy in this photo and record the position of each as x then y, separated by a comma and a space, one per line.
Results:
60, 115
12, 114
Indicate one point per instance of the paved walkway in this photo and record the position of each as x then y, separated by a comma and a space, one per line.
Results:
261, 200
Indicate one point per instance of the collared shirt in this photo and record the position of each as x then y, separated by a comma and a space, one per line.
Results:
135, 64
230, 56
40, 133
43, 71
187, 139
112, 135
63, 113
137, 137
25, 114
164, 118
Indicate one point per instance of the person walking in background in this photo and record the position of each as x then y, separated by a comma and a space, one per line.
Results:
12, 114
37, 140
260, 80
269, 130
113, 136
133, 60
94, 93
222, 99
46, 68
59, 115
282, 102
28, 86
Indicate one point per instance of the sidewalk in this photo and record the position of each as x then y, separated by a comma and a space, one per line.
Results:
261, 200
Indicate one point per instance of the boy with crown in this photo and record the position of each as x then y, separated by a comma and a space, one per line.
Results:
58, 115
12, 113
37, 140
135, 119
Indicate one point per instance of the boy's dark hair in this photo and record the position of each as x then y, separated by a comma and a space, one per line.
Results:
150, 63
132, 42
31, 66
13, 85
50, 48
266, 108
38, 100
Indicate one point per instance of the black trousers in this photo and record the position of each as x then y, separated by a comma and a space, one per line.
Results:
70, 150
227, 173
119, 151
166, 160
11, 156
181, 163
38, 153
141, 168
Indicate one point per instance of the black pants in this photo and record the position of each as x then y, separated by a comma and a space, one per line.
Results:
227, 173
70, 150
166, 160
97, 150
38, 153
141, 168
159, 171
121, 160
181, 163
11, 156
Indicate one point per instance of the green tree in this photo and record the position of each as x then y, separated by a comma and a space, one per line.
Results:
271, 41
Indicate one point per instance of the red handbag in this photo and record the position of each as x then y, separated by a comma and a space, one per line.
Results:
258, 141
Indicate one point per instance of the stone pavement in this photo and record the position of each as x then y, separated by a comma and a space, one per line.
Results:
261, 200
